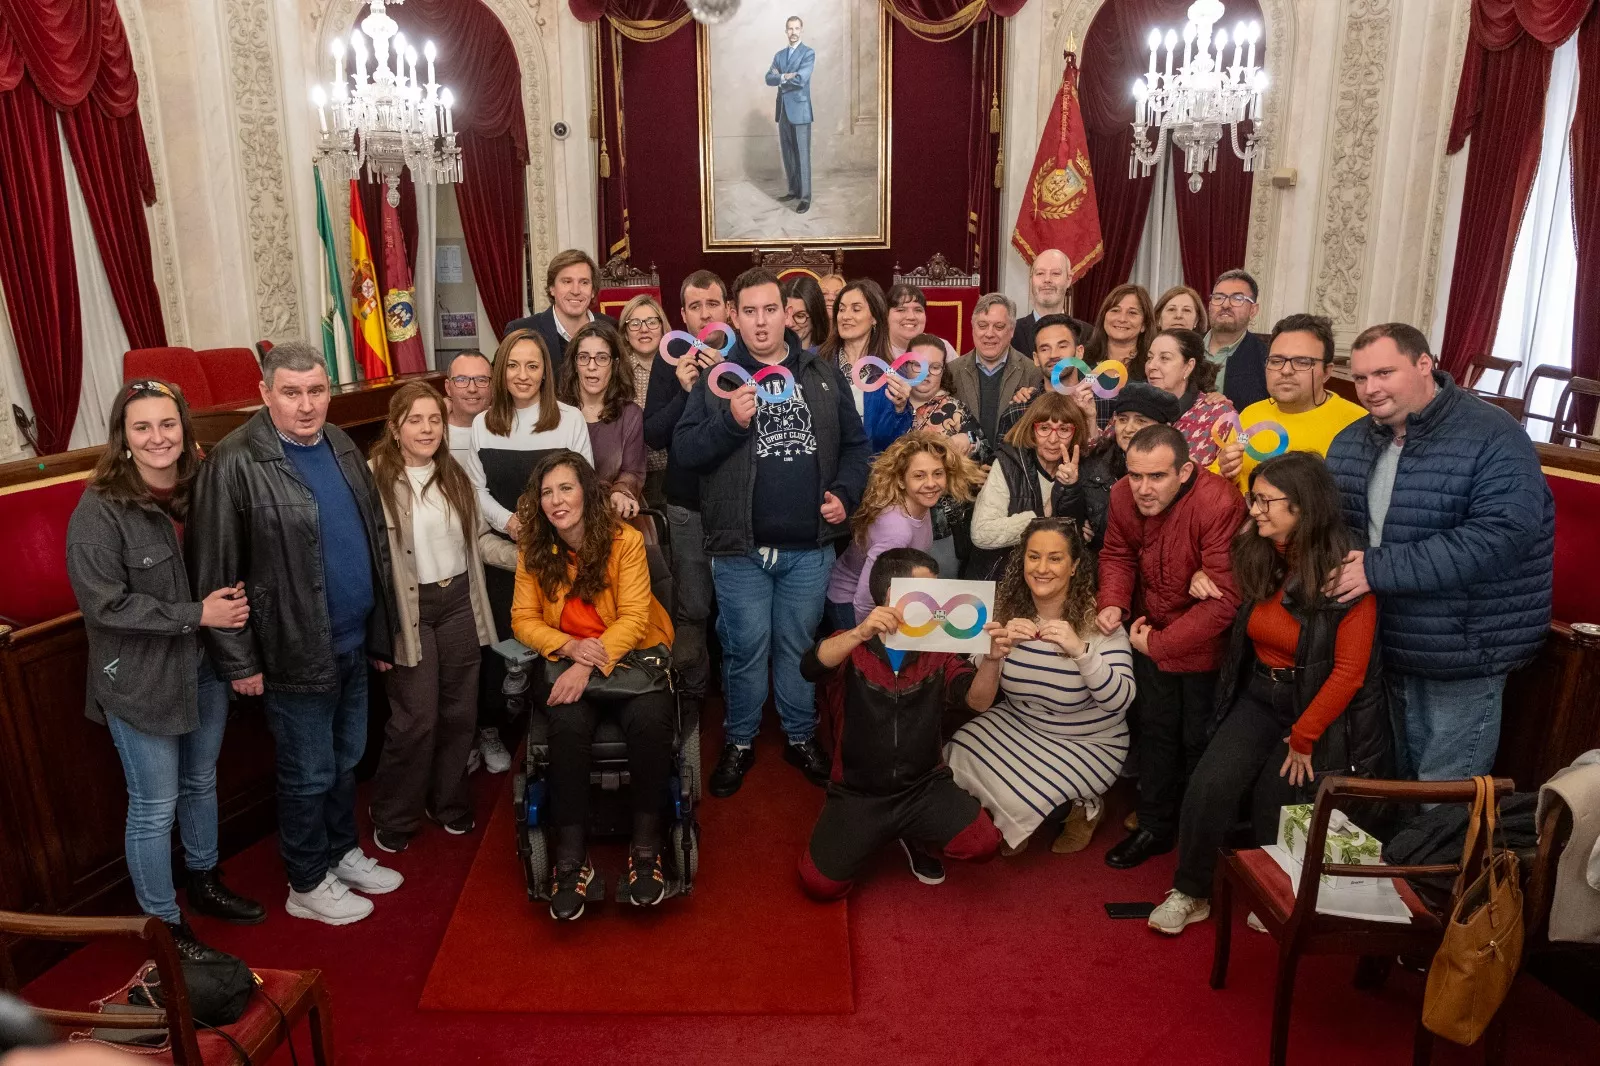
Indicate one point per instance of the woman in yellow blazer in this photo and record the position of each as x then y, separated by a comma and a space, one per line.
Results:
583, 594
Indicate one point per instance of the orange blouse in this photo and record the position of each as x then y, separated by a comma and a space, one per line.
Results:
1276, 635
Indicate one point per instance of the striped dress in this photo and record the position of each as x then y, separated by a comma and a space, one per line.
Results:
1058, 733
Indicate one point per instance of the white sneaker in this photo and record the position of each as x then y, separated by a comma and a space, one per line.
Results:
331, 902
363, 873
474, 760
1178, 911
495, 756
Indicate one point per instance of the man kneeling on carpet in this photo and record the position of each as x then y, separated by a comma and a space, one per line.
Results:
583, 594
889, 780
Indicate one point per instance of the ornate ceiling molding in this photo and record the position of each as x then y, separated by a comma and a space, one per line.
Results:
263, 167
527, 23
1460, 27
165, 250
1279, 29
1352, 153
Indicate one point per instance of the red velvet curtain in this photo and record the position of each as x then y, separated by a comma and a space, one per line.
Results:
36, 264
985, 171
1500, 102
1586, 209
490, 197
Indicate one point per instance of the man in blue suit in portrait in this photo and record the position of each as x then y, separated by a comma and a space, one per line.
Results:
791, 73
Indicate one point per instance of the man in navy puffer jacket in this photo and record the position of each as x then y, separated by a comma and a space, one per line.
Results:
1460, 532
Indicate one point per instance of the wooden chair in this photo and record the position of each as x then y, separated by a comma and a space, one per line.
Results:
260, 1032
1292, 918
1482, 363
797, 259
951, 297
620, 282
1569, 427
1512, 405
1538, 374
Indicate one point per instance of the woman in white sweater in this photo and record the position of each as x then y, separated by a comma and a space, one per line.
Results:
1059, 733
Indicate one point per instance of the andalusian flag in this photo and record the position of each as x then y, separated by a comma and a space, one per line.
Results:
369, 339
335, 322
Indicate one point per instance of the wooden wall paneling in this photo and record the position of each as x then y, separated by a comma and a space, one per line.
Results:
1552, 709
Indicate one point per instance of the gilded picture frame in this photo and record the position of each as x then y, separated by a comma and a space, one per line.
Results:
783, 161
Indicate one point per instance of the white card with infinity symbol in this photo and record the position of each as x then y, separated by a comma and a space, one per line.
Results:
941, 614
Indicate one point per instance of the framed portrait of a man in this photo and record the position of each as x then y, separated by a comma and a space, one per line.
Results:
794, 125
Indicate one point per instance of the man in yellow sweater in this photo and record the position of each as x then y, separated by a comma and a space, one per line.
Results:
1299, 361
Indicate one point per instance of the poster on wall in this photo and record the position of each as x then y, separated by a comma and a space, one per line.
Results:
794, 125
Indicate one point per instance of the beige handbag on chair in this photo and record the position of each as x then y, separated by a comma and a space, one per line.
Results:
1482, 946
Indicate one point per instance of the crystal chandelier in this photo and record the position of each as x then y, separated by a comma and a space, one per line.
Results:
711, 12
1205, 95
386, 120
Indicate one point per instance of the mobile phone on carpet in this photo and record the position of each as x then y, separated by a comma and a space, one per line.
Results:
1129, 910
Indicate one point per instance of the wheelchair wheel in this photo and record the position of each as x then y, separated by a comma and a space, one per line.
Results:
536, 863
690, 756
688, 864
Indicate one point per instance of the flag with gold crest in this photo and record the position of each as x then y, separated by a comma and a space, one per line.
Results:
1058, 207
369, 336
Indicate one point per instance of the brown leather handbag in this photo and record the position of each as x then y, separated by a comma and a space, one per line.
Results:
1482, 947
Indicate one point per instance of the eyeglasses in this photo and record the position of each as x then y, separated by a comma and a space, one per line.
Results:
1254, 500
638, 325
1052, 429
594, 358
1237, 299
800, 316
464, 381
1299, 362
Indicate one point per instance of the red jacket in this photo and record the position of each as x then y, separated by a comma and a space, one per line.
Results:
1146, 565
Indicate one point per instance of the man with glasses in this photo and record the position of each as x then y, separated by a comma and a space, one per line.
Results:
1300, 359
466, 389
1167, 519
989, 376
1240, 356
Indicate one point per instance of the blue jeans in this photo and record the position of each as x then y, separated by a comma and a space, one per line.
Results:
320, 738
769, 604
172, 778
1446, 730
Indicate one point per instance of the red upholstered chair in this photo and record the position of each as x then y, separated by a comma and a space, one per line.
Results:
951, 295
33, 539
1292, 919
1577, 579
232, 374
620, 282
180, 366
260, 1032
797, 260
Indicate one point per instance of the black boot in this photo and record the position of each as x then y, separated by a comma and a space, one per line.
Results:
209, 896
191, 947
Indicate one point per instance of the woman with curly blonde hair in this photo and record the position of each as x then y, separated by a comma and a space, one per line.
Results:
908, 480
1059, 733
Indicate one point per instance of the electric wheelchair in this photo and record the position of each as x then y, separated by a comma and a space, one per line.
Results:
610, 806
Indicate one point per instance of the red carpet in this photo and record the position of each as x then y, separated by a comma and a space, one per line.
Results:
1012, 962
746, 941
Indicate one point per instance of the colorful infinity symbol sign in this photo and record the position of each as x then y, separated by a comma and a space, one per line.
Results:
697, 343
763, 393
1230, 422
1115, 368
884, 370
939, 615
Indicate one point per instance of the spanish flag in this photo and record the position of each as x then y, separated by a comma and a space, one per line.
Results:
370, 343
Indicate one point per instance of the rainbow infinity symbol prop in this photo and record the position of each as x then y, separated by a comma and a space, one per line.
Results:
1115, 368
766, 395
884, 370
1229, 422
697, 343
940, 615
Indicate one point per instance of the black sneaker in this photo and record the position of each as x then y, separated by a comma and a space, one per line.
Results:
456, 827
191, 947
209, 896
571, 889
644, 885
924, 867
807, 754
391, 841
730, 770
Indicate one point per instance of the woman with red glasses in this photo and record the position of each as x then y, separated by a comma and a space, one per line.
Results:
1035, 475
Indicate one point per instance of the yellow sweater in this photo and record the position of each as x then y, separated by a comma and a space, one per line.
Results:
1312, 431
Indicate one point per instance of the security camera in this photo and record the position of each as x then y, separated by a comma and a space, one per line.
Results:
560, 129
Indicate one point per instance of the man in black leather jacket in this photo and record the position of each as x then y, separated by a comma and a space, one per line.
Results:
285, 503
